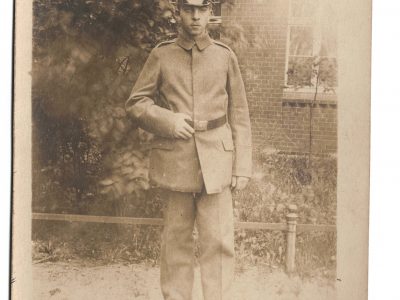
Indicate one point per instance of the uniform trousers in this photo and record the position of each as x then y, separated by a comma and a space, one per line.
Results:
213, 214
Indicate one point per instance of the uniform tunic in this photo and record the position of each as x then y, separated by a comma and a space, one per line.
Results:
200, 78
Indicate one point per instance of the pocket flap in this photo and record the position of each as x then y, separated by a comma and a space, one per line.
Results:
228, 144
162, 144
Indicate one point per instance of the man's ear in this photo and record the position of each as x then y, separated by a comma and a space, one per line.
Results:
178, 18
177, 14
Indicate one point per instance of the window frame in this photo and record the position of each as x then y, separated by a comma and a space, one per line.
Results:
308, 21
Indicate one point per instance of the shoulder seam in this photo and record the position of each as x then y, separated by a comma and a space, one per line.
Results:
222, 45
165, 43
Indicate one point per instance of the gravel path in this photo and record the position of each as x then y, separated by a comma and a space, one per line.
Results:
60, 281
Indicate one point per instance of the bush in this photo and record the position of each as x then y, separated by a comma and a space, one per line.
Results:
280, 180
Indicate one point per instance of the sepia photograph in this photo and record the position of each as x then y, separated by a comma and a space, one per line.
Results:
189, 149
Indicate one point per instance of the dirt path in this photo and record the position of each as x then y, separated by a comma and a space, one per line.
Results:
60, 281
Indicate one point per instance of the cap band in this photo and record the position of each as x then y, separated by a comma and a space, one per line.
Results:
195, 2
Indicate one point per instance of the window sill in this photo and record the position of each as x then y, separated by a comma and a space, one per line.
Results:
217, 20
305, 97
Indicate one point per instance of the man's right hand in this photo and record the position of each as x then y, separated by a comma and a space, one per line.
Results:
182, 129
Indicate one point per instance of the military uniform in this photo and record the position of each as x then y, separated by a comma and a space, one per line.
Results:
201, 78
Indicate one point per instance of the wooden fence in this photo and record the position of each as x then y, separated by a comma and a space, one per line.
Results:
291, 227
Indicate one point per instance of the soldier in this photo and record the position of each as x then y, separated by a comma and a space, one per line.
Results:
190, 94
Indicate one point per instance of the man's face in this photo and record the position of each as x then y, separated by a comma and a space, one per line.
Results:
194, 19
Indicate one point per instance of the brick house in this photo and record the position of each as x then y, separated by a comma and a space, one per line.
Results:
288, 113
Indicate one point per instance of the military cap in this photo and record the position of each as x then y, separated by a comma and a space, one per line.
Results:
193, 2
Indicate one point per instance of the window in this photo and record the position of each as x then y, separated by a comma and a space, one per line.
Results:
217, 12
311, 46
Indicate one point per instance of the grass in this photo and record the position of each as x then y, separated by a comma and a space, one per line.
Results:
279, 180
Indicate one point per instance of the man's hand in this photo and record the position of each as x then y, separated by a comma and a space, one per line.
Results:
239, 183
182, 129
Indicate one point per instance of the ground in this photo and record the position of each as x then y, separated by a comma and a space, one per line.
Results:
77, 280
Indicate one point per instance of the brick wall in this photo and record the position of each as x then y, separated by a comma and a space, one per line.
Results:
278, 121
296, 127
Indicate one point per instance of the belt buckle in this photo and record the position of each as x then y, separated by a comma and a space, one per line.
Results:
200, 125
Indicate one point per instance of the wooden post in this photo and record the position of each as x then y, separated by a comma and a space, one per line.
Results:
291, 220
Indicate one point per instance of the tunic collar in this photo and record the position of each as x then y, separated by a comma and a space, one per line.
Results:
187, 42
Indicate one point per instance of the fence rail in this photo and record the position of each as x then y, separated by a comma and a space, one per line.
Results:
291, 227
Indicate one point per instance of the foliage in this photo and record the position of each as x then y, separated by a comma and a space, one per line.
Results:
314, 72
280, 180
98, 243
87, 55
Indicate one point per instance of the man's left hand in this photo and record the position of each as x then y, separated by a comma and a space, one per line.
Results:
239, 183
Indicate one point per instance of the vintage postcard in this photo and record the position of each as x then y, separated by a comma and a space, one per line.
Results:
191, 149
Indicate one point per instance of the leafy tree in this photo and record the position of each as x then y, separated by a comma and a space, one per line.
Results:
86, 57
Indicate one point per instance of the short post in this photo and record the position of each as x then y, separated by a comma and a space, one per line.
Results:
291, 220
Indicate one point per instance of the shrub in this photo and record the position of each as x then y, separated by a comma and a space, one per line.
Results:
280, 180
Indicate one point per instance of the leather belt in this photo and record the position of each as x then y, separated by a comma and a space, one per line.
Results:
207, 125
